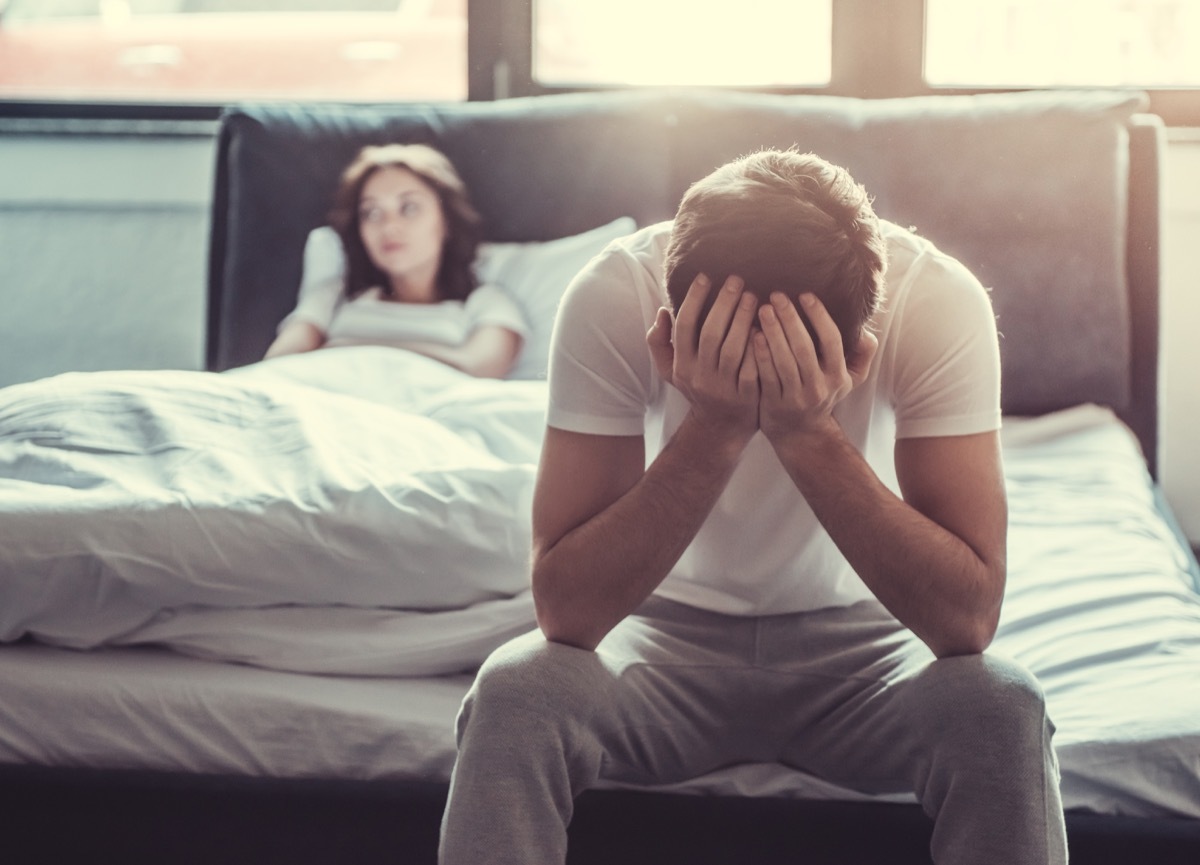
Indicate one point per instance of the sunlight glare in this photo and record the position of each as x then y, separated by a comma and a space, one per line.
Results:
679, 42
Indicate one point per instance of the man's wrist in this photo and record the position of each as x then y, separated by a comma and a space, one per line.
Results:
716, 440
809, 446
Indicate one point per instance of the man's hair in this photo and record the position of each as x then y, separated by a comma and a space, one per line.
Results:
783, 221
456, 276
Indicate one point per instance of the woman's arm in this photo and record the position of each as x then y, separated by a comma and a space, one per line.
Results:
489, 352
296, 337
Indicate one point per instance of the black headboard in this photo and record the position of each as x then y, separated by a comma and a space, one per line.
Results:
1051, 198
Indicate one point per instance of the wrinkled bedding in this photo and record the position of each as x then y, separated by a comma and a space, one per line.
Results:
1102, 606
347, 511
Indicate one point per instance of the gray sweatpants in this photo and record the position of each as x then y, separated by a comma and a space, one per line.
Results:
673, 692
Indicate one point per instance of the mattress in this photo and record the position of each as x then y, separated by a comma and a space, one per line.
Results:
1102, 606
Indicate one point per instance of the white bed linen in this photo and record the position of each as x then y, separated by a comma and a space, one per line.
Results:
1113, 633
151, 708
1102, 607
346, 511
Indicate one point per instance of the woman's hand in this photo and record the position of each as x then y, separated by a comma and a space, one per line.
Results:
298, 336
802, 380
711, 360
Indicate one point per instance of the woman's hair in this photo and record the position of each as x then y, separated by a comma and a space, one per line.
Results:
783, 221
456, 275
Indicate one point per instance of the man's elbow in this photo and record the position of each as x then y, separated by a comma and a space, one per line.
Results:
973, 632
560, 627
969, 639
559, 620
562, 632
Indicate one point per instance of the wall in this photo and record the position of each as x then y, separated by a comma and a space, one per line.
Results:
103, 246
1181, 343
103, 243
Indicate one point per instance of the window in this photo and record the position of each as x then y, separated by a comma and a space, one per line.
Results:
218, 51
1074, 43
186, 58
751, 43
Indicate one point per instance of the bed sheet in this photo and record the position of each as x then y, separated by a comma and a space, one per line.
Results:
1101, 606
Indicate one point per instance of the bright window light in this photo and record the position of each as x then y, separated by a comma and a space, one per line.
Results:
750, 43
222, 50
1054, 43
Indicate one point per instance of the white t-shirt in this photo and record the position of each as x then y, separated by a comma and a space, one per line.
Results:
369, 317
762, 550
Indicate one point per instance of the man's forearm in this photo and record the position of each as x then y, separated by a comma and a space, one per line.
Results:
598, 573
933, 581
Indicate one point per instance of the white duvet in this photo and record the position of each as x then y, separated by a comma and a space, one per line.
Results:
351, 511
1101, 603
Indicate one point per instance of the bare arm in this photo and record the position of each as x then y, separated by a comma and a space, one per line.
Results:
606, 530
489, 352
936, 557
298, 336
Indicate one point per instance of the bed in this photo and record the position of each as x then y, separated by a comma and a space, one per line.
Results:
239, 607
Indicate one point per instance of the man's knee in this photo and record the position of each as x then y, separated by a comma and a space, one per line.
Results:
532, 680
977, 698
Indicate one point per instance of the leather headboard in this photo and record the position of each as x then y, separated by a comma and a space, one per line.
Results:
537, 170
1029, 191
1032, 191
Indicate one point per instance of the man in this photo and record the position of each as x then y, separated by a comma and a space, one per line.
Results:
809, 566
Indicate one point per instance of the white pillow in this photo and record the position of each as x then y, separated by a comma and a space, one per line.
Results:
535, 274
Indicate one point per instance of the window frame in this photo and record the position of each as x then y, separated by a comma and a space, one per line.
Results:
877, 52
891, 33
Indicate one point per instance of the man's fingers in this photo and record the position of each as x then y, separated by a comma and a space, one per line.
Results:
858, 364
689, 318
782, 355
737, 339
768, 376
828, 337
658, 340
803, 348
748, 383
715, 327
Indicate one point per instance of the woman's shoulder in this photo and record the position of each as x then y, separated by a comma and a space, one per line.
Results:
486, 293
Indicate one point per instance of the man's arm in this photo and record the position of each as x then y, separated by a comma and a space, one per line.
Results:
936, 557
607, 529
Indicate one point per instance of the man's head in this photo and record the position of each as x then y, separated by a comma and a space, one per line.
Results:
782, 221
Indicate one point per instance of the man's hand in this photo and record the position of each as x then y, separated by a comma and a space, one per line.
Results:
802, 380
711, 362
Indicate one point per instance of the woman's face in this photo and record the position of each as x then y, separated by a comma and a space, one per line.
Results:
403, 229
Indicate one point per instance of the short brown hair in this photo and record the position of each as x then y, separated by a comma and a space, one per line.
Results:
783, 221
456, 274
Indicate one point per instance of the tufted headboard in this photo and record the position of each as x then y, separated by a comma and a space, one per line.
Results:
1051, 198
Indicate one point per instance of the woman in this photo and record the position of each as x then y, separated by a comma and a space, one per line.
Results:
410, 234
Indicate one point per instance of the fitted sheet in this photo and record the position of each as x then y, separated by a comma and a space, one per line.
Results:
1101, 606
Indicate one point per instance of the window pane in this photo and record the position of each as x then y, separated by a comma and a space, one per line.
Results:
1142, 43
680, 42
223, 50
